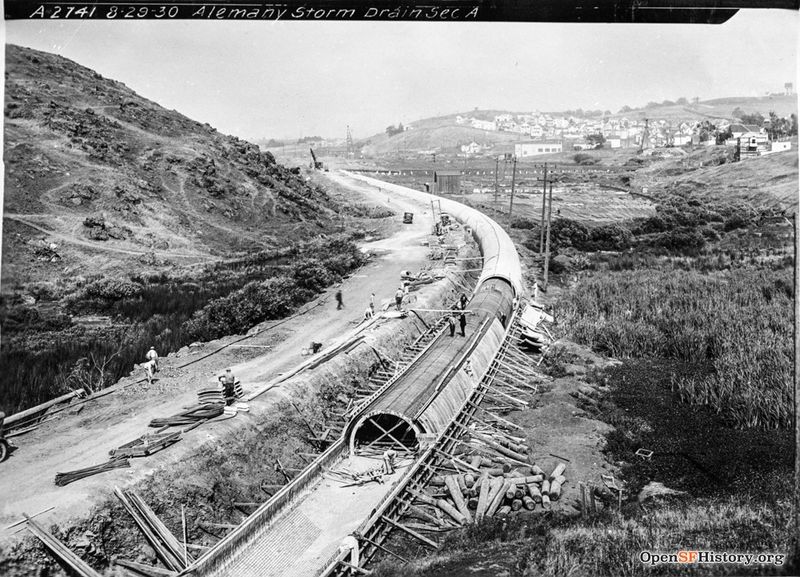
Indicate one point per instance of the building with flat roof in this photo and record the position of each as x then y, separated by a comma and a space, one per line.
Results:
537, 147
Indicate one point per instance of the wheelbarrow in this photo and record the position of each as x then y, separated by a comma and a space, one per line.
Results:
4, 448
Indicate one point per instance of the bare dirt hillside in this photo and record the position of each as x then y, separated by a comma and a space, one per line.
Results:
97, 176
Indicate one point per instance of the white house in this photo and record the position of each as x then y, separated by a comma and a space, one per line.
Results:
471, 148
484, 124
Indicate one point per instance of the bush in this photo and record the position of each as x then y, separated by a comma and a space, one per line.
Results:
311, 274
112, 289
610, 237
566, 233
238, 312
584, 159
681, 240
525, 223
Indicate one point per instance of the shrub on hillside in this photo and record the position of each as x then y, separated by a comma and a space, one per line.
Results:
111, 289
610, 237
254, 303
525, 223
311, 274
584, 159
680, 240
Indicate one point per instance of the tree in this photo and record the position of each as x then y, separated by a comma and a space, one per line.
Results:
668, 103
682, 101
737, 112
596, 140
755, 118
625, 109
706, 130
392, 130
793, 127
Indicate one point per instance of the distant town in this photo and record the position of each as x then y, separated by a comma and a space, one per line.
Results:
678, 123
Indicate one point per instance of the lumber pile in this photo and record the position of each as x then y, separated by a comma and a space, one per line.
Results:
168, 549
194, 415
146, 445
71, 476
491, 488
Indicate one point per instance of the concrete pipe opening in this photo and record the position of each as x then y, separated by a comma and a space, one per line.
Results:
382, 431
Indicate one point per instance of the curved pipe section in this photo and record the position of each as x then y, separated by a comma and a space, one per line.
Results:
500, 258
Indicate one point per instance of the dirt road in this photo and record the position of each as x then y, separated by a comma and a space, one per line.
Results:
83, 436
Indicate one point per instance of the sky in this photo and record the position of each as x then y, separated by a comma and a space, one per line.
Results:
290, 79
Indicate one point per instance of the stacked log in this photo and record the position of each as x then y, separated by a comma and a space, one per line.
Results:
493, 489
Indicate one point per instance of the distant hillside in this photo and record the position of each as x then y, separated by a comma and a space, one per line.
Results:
97, 176
443, 133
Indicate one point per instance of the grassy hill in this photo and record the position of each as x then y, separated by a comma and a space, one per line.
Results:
98, 177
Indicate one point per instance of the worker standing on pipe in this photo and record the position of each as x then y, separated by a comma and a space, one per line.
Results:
451, 321
339, 303
462, 321
350, 543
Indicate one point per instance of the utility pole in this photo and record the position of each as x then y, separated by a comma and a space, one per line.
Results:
513, 181
541, 221
496, 169
547, 244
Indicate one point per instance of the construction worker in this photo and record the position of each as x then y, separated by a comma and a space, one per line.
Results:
152, 355
398, 297
389, 457
228, 381
368, 313
462, 301
372, 303
339, 303
150, 369
451, 321
462, 321
350, 543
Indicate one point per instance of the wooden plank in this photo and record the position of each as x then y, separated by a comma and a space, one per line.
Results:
16, 417
411, 532
355, 568
384, 549
60, 551
21, 521
144, 570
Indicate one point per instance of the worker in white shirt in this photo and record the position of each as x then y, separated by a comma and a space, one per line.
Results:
152, 355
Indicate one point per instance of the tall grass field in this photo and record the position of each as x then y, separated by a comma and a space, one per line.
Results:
737, 321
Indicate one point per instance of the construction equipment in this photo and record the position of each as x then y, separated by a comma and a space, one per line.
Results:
4, 448
316, 164
408, 217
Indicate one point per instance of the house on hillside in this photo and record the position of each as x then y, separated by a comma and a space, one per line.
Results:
471, 148
752, 144
739, 130
535, 148
484, 124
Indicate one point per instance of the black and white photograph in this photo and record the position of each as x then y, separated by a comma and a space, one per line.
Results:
460, 289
